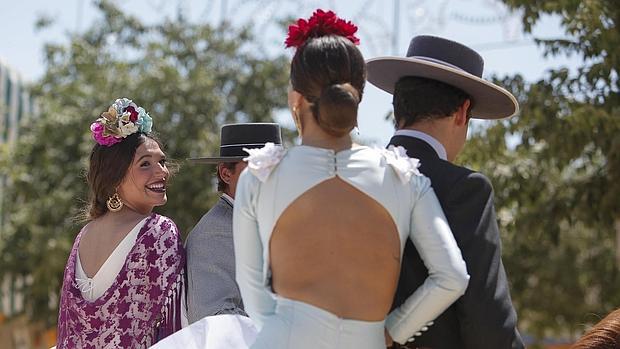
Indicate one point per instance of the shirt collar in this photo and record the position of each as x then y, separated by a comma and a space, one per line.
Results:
432, 141
228, 198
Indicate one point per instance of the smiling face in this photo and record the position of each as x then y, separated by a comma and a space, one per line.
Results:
144, 185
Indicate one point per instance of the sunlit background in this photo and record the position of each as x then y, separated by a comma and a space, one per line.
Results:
196, 65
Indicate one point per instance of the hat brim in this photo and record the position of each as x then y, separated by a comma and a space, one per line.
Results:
491, 101
216, 160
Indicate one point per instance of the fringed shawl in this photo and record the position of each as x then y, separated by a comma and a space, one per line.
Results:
142, 306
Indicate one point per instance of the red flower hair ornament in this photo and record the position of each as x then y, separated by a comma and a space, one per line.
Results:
320, 24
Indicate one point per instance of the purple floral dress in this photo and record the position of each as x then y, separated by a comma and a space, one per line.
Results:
142, 306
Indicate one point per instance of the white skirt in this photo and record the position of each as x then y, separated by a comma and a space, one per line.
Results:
213, 332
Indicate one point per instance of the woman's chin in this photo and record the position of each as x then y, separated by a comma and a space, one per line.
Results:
162, 201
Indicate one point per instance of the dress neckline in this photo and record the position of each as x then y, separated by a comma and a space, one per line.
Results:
134, 231
103, 298
354, 148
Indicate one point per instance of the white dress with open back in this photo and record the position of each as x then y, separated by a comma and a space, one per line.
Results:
275, 178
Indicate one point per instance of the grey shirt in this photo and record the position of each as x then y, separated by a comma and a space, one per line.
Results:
211, 286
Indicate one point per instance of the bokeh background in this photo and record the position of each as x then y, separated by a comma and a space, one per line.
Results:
195, 65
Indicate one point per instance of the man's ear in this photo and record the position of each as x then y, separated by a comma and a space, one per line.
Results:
460, 116
225, 173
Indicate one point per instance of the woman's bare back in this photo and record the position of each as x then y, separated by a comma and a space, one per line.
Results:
101, 237
336, 248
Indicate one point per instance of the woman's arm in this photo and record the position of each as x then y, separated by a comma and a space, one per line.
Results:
257, 300
448, 278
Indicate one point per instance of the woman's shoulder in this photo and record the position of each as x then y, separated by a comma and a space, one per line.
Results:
262, 161
160, 218
162, 225
393, 161
90, 235
395, 158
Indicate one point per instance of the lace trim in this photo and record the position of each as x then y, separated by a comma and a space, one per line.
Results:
85, 285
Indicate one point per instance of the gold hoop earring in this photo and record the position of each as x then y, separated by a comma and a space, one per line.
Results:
114, 203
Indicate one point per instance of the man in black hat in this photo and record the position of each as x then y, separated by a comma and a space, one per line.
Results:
436, 89
211, 286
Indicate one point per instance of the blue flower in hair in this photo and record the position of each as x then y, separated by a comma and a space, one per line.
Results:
144, 122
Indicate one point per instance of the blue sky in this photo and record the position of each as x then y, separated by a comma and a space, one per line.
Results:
485, 25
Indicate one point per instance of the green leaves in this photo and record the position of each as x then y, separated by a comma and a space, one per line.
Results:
557, 184
191, 78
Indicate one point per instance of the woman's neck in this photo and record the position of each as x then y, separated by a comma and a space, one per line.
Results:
128, 213
323, 140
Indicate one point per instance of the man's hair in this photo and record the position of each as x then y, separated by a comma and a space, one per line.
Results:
221, 185
416, 99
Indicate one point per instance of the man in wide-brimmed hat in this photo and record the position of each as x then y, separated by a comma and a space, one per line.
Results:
211, 286
436, 89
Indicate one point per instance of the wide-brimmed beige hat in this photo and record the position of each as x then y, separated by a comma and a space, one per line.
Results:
452, 63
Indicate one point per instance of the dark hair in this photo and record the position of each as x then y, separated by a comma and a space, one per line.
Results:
221, 185
417, 99
604, 335
107, 168
330, 73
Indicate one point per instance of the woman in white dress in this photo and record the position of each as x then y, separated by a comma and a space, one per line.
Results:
319, 229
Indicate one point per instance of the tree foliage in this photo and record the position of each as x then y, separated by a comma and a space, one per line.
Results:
191, 78
558, 188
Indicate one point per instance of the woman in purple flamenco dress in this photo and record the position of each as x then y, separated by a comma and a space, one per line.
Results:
123, 280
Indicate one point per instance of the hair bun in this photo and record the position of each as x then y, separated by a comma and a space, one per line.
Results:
337, 109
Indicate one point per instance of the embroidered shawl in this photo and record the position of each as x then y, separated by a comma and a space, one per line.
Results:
142, 306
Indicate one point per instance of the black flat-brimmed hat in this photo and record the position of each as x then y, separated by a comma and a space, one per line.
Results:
235, 137
449, 62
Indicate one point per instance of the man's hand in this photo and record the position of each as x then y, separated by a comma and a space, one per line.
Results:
389, 342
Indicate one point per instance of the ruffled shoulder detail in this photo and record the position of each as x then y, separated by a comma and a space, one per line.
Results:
262, 161
404, 166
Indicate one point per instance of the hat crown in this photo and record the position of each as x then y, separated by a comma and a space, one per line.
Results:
235, 137
250, 133
447, 52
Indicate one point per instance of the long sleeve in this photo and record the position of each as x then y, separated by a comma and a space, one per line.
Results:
249, 249
211, 288
448, 276
486, 316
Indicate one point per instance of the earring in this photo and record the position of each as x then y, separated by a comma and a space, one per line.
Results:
114, 203
297, 121
357, 130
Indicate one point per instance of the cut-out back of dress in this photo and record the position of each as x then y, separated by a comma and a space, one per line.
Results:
347, 246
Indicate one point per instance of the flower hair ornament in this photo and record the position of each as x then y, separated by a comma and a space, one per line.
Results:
122, 119
320, 24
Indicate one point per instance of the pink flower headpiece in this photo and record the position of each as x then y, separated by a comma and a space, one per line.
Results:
122, 119
320, 24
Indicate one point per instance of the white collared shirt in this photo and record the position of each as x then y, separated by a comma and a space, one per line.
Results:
432, 141
228, 198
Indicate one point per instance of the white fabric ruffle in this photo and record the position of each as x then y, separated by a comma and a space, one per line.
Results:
213, 332
263, 160
404, 166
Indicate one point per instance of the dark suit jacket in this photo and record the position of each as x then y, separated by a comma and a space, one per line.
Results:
484, 316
